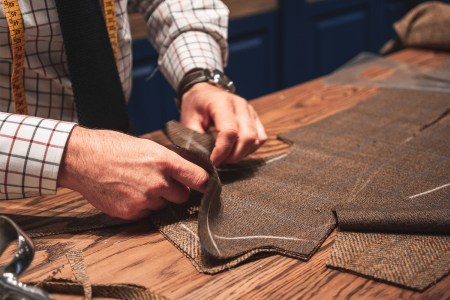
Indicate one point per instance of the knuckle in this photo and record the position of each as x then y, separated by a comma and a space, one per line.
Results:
230, 133
157, 188
249, 139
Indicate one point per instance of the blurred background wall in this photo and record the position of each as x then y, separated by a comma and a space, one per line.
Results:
274, 44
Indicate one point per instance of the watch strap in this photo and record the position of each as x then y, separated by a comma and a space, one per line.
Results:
195, 76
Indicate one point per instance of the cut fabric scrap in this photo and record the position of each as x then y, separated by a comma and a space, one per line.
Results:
414, 261
380, 219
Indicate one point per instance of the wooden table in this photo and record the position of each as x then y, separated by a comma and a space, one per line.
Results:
138, 254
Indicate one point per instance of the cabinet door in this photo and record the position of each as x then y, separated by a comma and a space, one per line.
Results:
319, 36
252, 55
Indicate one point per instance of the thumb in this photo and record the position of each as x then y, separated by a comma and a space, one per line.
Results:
189, 174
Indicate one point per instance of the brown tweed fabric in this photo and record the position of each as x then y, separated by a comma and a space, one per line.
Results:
116, 290
426, 26
369, 154
414, 261
376, 218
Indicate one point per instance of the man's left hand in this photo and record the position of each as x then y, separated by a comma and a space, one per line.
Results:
239, 130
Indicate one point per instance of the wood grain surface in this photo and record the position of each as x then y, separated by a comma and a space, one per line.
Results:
137, 253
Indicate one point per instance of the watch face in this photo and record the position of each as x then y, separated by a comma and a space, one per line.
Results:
223, 80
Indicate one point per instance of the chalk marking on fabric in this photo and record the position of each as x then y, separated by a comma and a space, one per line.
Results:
261, 237
184, 226
276, 158
354, 193
189, 140
209, 230
430, 191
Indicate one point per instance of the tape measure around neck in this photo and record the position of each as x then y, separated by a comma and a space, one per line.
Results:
17, 37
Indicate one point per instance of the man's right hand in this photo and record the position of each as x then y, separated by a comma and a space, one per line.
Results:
124, 176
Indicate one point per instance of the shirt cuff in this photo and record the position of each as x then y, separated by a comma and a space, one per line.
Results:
31, 150
190, 50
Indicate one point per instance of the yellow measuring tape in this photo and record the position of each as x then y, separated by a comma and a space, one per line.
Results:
17, 36
111, 25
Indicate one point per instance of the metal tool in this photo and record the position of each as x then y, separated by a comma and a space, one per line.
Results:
10, 287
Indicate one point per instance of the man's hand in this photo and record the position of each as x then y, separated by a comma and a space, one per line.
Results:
126, 177
239, 130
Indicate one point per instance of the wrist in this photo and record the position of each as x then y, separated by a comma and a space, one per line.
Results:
72, 158
198, 76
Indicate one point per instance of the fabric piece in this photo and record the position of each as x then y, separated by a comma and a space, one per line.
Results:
116, 290
425, 26
76, 260
368, 154
414, 261
377, 218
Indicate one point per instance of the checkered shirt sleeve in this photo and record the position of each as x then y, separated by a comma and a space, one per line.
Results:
31, 149
187, 34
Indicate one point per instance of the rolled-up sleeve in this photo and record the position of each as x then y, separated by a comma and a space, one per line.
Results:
31, 150
188, 34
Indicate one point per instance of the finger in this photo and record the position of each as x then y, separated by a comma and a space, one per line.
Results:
247, 141
156, 204
188, 174
175, 192
262, 135
194, 123
227, 131
141, 214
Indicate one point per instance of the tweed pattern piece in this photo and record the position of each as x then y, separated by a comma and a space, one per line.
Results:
379, 157
416, 261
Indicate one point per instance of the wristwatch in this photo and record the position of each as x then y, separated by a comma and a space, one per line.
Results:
215, 77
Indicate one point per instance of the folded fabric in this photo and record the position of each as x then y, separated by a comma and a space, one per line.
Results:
425, 26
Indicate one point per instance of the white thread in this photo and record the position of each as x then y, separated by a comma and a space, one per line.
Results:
430, 191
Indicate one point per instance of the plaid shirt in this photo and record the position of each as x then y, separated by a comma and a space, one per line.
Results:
188, 34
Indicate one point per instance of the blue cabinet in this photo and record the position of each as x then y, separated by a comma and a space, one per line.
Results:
317, 36
252, 66
252, 55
